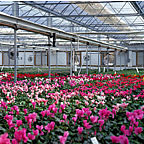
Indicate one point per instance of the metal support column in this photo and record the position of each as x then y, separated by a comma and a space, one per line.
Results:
15, 55
24, 58
46, 59
120, 60
143, 59
56, 58
107, 59
41, 59
15, 13
71, 60
99, 59
125, 59
87, 58
33, 57
49, 66
8, 57
115, 60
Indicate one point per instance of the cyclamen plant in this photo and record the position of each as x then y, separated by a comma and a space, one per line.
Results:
71, 109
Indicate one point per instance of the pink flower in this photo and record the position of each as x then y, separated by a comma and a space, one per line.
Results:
138, 130
80, 129
50, 126
130, 129
40, 129
14, 141
30, 136
101, 122
64, 117
94, 119
4, 139
64, 138
34, 104
31, 118
123, 128
62, 106
19, 122
35, 132
121, 139
86, 124
21, 135
25, 111
43, 113
115, 139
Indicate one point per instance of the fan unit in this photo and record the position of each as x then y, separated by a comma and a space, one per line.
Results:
109, 60
30, 59
11, 53
86, 58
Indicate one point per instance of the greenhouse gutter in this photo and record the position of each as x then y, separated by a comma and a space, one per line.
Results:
18, 23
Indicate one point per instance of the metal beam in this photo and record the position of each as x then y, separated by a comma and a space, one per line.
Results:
74, 2
11, 21
90, 15
45, 9
111, 33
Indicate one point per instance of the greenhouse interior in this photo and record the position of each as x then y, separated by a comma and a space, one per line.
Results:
72, 72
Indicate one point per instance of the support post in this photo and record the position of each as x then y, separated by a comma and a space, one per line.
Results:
49, 67
87, 58
56, 58
24, 59
15, 55
107, 59
120, 60
115, 60
8, 57
15, 13
99, 59
125, 59
33, 57
71, 61
143, 59
41, 59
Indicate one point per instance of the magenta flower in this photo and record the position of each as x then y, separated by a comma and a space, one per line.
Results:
35, 132
4, 139
34, 104
62, 106
94, 119
123, 127
30, 136
64, 138
86, 124
31, 118
80, 129
25, 111
43, 113
115, 139
50, 126
64, 117
19, 122
40, 129
101, 122
138, 130
121, 139
14, 141
21, 135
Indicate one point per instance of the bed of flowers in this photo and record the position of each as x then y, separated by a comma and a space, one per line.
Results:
73, 109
